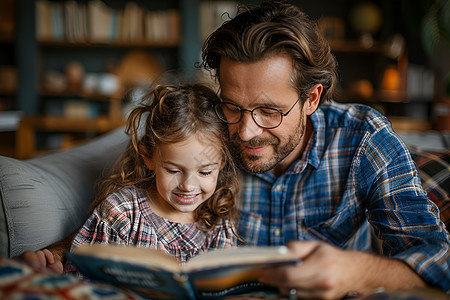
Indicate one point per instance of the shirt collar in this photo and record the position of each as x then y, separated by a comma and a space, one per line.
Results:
316, 145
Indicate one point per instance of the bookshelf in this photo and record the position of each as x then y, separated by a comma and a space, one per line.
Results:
35, 51
99, 36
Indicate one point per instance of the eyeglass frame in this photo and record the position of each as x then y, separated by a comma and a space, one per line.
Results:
242, 110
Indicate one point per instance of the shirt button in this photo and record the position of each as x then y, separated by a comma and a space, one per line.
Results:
276, 232
278, 188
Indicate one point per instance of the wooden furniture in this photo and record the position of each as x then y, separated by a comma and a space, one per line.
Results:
26, 134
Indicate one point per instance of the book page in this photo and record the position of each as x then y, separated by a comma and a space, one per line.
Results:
131, 254
243, 255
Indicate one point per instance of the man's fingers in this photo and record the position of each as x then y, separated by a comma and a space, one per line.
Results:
303, 249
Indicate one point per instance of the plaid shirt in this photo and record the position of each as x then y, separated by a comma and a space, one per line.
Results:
355, 171
126, 218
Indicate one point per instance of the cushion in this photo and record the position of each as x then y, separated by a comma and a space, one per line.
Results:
46, 198
434, 171
20, 281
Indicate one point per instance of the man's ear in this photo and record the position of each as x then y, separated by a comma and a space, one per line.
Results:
313, 100
148, 162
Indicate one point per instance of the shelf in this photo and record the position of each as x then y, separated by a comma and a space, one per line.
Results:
82, 95
49, 123
114, 44
7, 40
409, 124
355, 47
29, 125
4, 92
379, 96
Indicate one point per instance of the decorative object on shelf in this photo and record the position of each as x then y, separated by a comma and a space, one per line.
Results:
90, 83
366, 18
442, 114
79, 109
395, 46
391, 78
108, 84
393, 82
54, 82
8, 79
138, 67
332, 28
74, 74
361, 89
420, 83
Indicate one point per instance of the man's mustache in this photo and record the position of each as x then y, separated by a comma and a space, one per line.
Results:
254, 142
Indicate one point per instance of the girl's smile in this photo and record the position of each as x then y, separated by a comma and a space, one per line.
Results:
186, 176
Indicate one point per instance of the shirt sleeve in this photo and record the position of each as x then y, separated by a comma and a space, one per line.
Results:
404, 218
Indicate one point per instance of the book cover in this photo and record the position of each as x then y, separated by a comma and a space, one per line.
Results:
157, 275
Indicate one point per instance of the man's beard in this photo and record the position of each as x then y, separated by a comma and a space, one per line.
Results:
249, 162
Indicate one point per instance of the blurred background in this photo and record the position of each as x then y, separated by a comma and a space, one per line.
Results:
66, 65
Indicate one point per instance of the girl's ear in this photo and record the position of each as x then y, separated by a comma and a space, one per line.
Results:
148, 162
313, 100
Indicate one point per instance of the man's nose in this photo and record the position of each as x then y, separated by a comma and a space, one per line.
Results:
247, 128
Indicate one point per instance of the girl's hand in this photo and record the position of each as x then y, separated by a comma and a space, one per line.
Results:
42, 258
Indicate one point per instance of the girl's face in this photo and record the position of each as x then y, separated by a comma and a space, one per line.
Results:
186, 176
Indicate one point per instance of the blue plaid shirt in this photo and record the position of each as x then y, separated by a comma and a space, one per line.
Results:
355, 171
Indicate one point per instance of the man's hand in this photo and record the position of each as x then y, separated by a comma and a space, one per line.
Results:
42, 258
327, 272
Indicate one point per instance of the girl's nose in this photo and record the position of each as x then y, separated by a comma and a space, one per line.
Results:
188, 183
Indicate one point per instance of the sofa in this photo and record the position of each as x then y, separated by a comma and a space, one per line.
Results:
44, 199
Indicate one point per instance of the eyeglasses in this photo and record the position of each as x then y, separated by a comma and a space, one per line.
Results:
265, 117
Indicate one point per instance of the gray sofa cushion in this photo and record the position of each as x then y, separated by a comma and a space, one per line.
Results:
45, 198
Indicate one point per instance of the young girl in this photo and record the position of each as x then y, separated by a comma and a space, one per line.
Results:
175, 186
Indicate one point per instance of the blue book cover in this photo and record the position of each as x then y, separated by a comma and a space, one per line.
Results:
154, 274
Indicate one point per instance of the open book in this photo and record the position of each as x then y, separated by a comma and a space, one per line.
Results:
157, 275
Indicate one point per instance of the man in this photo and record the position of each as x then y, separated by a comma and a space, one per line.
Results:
316, 170
316, 175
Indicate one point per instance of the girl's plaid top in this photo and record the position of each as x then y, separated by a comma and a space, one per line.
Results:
356, 177
126, 218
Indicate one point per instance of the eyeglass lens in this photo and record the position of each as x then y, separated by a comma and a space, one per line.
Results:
263, 116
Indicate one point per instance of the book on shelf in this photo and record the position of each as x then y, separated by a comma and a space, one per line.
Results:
96, 22
154, 274
100, 19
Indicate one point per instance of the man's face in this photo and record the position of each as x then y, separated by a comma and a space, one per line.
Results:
263, 83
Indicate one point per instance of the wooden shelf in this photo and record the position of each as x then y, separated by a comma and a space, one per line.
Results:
409, 124
113, 44
345, 46
29, 125
50, 123
7, 92
378, 96
83, 95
